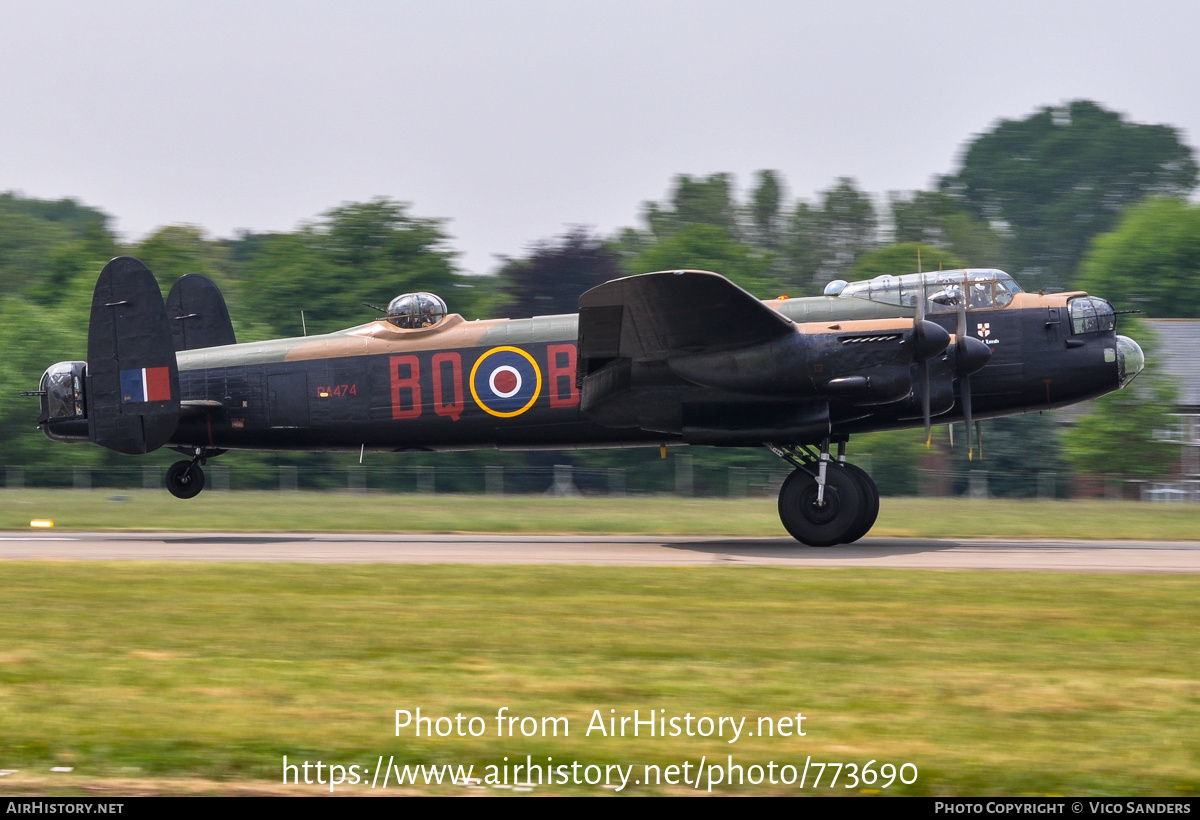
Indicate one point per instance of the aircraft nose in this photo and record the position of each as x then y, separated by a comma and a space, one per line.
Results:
1130, 359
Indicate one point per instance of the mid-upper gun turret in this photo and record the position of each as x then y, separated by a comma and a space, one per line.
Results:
416, 310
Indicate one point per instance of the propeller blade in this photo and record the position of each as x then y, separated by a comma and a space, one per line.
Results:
918, 333
979, 438
970, 355
925, 401
965, 388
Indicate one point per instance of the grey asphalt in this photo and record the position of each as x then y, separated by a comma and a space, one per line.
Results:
909, 553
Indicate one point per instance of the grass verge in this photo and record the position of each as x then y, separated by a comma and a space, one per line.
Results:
653, 515
989, 683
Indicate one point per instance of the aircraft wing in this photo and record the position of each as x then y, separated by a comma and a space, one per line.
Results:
673, 313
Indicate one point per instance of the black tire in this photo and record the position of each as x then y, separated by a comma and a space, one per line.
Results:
185, 479
870, 508
826, 525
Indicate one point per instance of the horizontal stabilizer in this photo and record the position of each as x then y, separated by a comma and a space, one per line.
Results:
199, 317
672, 313
133, 379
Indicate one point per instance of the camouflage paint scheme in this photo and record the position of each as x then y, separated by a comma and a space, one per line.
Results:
388, 388
384, 387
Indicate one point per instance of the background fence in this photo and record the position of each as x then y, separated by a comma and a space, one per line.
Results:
677, 475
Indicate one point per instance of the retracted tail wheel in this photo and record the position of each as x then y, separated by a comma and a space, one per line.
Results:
185, 479
820, 525
870, 507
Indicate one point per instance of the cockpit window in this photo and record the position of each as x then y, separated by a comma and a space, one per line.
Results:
1091, 315
979, 288
980, 295
415, 310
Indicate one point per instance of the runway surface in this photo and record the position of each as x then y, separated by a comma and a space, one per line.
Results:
362, 548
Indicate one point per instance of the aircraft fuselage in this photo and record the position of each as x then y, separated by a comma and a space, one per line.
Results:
675, 357
512, 383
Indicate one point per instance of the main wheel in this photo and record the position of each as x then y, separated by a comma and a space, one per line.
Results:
815, 524
870, 508
185, 479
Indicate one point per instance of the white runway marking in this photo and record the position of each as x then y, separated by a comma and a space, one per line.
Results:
36, 538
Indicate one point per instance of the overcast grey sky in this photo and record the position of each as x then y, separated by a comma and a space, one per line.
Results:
514, 120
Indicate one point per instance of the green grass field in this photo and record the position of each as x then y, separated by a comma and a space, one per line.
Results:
187, 678
654, 515
201, 677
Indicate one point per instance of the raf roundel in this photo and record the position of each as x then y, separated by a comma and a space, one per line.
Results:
505, 381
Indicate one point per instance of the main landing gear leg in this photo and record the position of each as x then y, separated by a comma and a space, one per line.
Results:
825, 502
185, 479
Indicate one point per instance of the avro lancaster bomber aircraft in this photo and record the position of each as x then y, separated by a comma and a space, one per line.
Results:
676, 357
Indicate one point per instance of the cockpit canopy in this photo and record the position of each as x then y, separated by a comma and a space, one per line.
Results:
415, 310
984, 288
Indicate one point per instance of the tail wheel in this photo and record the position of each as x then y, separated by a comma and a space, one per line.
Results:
185, 479
821, 525
870, 507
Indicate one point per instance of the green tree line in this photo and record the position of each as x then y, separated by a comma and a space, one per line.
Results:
1072, 196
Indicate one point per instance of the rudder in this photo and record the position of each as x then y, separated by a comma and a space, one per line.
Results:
133, 378
198, 314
